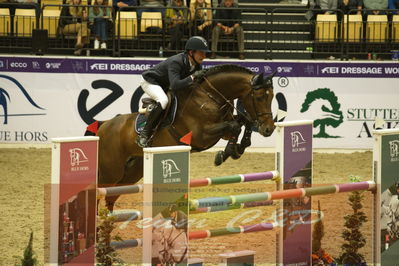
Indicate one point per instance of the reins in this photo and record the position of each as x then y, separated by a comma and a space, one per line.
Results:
228, 102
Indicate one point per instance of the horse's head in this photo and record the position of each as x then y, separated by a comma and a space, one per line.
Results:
258, 103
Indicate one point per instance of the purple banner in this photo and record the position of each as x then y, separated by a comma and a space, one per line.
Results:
137, 66
297, 241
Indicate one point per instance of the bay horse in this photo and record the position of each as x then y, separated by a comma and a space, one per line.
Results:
205, 110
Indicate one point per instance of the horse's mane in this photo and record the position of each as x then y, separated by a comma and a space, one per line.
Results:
218, 69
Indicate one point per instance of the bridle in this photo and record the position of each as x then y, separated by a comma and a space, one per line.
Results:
244, 115
258, 114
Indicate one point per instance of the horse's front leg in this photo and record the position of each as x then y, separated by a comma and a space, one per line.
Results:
233, 149
245, 140
110, 202
231, 133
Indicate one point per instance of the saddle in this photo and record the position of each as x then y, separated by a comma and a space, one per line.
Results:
148, 104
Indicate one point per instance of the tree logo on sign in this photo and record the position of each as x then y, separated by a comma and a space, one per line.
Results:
325, 100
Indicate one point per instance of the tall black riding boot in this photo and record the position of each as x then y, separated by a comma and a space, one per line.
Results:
152, 122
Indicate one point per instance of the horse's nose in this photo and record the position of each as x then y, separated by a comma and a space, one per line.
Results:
269, 130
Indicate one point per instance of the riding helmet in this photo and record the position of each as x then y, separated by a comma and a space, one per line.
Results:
197, 43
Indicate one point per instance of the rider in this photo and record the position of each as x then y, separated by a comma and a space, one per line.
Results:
177, 72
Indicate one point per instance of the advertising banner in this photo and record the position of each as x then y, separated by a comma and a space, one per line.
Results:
294, 163
42, 98
386, 173
73, 201
166, 178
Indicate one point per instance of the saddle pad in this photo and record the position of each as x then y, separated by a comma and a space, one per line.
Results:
140, 122
141, 119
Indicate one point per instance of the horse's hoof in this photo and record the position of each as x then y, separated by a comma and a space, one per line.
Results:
235, 156
219, 158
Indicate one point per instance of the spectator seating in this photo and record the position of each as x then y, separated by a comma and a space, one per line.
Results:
51, 2
128, 24
50, 18
24, 22
5, 23
353, 32
150, 19
377, 28
326, 28
395, 29
284, 37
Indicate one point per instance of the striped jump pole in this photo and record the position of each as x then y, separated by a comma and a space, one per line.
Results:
231, 230
119, 190
126, 215
132, 189
240, 178
201, 234
130, 215
244, 205
283, 194
131, 243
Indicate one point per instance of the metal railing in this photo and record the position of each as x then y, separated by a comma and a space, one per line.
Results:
16, 28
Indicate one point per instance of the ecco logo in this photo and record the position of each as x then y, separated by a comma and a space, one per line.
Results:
19, 65
254, 69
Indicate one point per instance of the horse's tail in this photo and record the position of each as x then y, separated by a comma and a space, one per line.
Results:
92, 129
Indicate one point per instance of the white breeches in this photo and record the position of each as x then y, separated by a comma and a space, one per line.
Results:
155, 92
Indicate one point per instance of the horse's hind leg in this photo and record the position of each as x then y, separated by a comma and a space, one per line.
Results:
133, 172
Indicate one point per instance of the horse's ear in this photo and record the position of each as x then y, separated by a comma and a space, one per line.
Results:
257, 80
269, 79
271, 76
